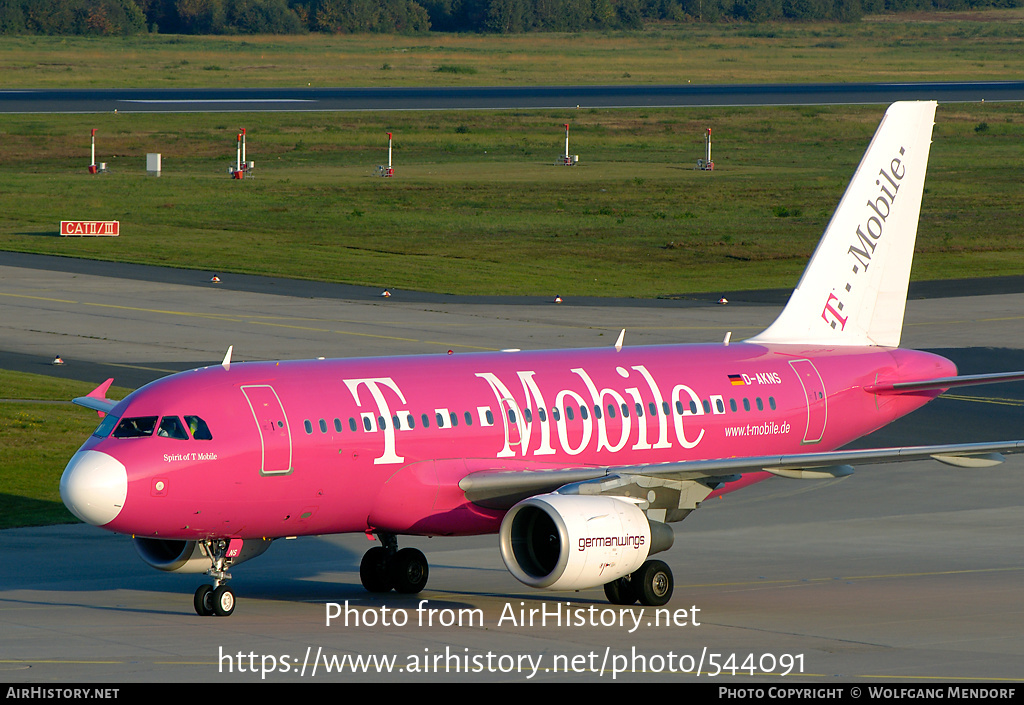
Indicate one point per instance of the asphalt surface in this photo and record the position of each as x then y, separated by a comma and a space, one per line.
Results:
898, 573
491, 98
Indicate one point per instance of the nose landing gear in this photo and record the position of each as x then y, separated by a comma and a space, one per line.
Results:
217, 599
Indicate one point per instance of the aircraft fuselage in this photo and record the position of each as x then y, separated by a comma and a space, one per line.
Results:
332, 446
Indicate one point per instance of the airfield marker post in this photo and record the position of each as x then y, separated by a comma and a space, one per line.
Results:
567, 159
388, 170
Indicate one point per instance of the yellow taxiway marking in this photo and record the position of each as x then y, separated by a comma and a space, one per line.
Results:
882, 576
239, 319
1002, 401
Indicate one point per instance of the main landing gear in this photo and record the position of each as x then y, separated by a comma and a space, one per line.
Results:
217, 599
385, 568
650, 585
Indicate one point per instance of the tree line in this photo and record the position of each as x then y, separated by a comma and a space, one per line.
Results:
126, 17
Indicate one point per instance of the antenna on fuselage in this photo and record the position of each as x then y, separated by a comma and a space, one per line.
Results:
618, 343
226, 364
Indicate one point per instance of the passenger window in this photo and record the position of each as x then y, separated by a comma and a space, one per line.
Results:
490, 418
337, 425
323, 426
308, 425
469, 418
746, 405
542, 414
732, 404
771, 403
352, 423
136, 427
556, 414
171, 427
760, 404
707, 406
198, 428
426, 420
568, 413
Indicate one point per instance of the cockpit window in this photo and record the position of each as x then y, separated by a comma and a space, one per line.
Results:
200, 431
106, 425
135, 427
171, 427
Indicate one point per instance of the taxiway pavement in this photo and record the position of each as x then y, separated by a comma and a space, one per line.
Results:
897, 573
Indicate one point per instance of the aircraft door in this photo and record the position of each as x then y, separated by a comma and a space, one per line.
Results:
817, 401
272, 422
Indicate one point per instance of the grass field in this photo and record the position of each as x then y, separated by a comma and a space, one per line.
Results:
478, 206
39, 432
938, 46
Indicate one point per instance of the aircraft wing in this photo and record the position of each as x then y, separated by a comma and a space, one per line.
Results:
502, 488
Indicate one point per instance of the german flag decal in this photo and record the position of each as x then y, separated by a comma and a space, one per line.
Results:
737, 380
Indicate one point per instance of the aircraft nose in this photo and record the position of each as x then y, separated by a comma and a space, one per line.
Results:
94, 486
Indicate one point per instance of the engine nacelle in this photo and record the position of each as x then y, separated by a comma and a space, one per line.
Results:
190, 556
574, 542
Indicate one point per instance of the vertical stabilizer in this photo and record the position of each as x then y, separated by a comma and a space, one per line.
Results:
854, 290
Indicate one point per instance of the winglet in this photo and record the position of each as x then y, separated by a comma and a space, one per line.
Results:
97, 399
854, 290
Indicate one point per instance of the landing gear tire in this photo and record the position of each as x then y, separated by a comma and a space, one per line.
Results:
653, 583
223, 601
203, 600
373, 570
409, 571
620, 591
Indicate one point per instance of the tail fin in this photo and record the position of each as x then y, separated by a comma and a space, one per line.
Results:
854, 290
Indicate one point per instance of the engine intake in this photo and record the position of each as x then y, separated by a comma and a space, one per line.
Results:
190, 556
574, 542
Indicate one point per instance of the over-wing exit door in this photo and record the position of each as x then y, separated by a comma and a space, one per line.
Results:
817, 402
272, 422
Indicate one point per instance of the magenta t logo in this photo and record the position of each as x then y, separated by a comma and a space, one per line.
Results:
829, 310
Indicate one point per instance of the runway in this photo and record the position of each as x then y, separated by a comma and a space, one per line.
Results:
494, 98
896, 574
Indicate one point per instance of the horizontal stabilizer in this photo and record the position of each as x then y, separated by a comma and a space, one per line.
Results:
944, 383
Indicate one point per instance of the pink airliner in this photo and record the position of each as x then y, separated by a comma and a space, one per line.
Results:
580, 460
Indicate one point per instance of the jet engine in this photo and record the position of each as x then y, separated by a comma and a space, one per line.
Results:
574, 542
190, 556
